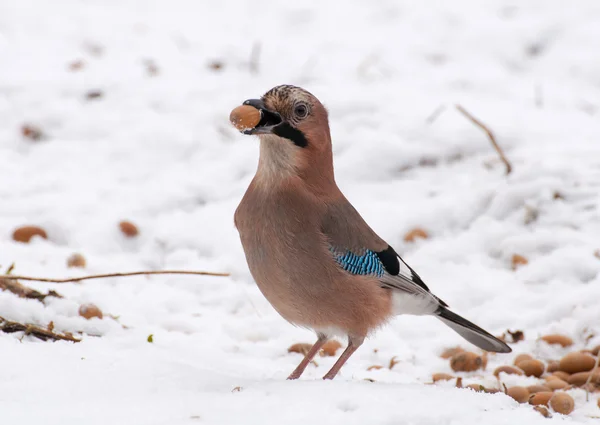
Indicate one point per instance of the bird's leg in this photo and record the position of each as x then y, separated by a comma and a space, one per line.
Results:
308, 357
353, 344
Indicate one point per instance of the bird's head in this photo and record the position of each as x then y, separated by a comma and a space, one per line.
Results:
294, 132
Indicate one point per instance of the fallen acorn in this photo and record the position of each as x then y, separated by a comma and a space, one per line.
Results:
596, 350
329, 348
509, 370
245, 117
441, 377
532, 367
299, 347
562, 403
517, 261
449, 352
576, 362
556, 384
90, 311
579, 379
25, 233
76, 260
414, 234
521, 358
466, 362
551, 366
561, 375
519, 394
533, 389
128, 229
541, 398
543, 411
558, 339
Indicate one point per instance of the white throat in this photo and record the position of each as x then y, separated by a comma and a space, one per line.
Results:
277, 159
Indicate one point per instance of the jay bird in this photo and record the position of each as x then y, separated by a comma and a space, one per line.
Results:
310, 252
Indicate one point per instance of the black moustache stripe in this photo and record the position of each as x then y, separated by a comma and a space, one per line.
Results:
288, 132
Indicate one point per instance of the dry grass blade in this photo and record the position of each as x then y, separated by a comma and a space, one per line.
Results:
102, 276
9, 326
489, 134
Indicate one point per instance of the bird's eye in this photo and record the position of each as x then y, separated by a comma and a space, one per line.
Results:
301, 111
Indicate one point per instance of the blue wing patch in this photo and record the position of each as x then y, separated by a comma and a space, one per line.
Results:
368, 263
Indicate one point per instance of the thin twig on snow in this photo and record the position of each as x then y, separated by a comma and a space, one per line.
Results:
101, 276
489, 134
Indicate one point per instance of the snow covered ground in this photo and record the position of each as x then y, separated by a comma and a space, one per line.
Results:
156, 148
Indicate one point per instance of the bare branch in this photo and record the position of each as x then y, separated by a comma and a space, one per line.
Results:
102, 276
489, 134
8, 326
23, 291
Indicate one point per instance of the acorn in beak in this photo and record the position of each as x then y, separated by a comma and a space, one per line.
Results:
252, 117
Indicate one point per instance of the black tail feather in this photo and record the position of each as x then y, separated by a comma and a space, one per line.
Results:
471, 332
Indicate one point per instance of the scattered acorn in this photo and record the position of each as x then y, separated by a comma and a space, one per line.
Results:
532, 367
558, 339
580, 378
562, 403
519, 394
415, 233
522, 357
441, 377
509, 370
245, 117
128, 229
89, 311
551, 366
330, 347
76, 260
541, 398
596, 350
300, 347
576, 362
25, 233
517, 261
466, 362
533, 389
556, 384
562, 375
449, 352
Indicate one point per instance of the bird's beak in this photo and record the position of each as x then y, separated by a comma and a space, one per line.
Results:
268, 121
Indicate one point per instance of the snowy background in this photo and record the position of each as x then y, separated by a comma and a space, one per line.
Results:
152, 144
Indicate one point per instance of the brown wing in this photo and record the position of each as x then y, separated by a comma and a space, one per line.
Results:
359, 250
